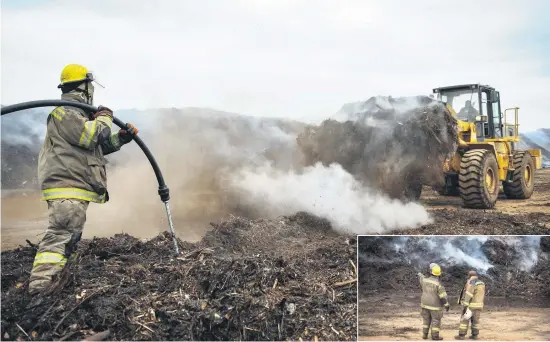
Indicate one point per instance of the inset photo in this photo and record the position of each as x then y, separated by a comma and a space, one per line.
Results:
454, 288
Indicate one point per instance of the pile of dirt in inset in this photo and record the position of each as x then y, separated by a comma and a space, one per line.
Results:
389, 143
300, 284
510, 266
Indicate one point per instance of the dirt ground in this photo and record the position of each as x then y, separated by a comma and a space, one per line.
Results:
396, 317
538, 203
510, 217
25, 216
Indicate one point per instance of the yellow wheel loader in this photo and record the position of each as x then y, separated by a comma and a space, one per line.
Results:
487, 154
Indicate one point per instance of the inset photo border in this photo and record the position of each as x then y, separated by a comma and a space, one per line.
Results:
453, 287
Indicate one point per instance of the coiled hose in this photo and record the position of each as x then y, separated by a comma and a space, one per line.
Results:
163, 190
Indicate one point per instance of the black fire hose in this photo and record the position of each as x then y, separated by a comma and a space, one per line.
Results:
163, 190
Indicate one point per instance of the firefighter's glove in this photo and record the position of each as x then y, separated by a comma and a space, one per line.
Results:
127, 135
103, 111
447, 307
419, 274
464, 308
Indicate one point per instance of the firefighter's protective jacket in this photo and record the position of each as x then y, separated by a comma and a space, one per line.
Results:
473, 294
71, 163
434, 296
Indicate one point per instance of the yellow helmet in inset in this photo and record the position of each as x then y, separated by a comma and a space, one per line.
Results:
436, 270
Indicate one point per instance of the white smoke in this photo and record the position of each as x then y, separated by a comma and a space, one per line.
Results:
528, 250
329, 192
217, 164
26, 128
449, 250
457, 255
524, 251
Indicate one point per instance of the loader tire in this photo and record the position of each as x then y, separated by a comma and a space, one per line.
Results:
478, 180
523, 178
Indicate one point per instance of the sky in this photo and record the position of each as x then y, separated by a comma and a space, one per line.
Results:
301, 59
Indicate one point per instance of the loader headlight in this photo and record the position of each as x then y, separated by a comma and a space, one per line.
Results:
481, 118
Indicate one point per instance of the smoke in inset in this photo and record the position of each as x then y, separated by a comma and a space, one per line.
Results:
480, 253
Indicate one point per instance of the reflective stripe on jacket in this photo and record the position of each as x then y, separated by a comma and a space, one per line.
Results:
434, 296
474, 294
71, 163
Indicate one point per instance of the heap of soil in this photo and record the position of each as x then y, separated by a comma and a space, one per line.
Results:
384, 268
387, 148
246, 280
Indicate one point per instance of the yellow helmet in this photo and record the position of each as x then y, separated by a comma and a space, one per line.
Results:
75, 73
436, 270
76, 76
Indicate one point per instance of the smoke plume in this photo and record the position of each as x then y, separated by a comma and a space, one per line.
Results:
218, 164
329, 192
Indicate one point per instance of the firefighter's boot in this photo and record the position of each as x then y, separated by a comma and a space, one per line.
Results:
460, 337
436, 337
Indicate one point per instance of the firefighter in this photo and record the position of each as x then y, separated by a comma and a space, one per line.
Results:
471, 299
71, 172
433, 301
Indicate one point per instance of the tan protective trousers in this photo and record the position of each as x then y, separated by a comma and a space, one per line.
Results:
66, 221
463, 327
431, 318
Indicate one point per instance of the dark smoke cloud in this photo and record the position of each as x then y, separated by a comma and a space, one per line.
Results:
387, 143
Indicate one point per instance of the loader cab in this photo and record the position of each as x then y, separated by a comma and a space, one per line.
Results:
478, 104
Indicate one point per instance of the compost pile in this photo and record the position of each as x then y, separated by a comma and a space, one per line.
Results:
477, 222
387, 143
392, 264
246, 280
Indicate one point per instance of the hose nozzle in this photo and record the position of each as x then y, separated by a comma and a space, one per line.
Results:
164, 193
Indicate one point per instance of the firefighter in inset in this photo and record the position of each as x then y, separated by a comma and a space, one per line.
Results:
433, 302
71, 172
471, 299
